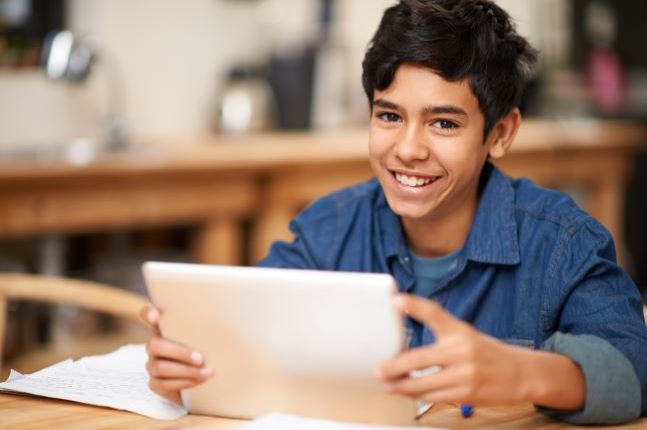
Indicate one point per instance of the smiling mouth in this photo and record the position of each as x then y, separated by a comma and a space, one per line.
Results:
414, 181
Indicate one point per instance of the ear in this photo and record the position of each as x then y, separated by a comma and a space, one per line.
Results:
503, 133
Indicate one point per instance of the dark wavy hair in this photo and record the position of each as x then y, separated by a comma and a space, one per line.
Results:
473, 39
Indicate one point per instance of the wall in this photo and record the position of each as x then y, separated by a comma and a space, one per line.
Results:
172, 56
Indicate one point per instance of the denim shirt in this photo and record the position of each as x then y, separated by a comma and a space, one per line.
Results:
535, 271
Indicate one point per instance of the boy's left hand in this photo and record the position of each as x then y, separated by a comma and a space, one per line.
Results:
474, 367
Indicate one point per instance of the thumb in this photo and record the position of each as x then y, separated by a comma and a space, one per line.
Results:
427, 312
151, 316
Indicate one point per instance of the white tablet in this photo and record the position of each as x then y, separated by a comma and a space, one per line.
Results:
280, 340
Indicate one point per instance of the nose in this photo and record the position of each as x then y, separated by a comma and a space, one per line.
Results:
411, 145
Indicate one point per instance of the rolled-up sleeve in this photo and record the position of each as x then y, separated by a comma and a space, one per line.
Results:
597, 320
613, 393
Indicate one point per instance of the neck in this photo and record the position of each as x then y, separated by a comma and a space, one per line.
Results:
444, 233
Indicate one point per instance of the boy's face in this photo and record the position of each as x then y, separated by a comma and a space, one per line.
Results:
426, 144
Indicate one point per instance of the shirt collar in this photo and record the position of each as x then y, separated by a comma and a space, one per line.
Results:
393, 240
493, 236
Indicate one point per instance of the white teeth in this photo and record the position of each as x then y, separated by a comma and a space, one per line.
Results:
411, 181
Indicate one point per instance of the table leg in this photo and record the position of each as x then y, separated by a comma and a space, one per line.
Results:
607, 206
3, 325
271, 225
218, 242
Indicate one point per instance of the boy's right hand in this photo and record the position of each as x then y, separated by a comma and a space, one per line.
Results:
171, 366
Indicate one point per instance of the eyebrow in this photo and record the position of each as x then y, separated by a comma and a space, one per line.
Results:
449, 109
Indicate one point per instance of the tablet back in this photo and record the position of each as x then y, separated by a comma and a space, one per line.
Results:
282, 340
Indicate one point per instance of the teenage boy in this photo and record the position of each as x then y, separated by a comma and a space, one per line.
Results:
511, 289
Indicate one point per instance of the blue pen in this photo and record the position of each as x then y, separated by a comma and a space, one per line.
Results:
466, 410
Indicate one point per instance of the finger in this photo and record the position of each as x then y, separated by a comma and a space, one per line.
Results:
161, 348
456, 394
171, 385
404, 363
151, 316
165, 369
440, 354
170, 388
427, 312
173, 396
447, 378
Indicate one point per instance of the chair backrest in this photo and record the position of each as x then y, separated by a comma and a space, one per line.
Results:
83, 294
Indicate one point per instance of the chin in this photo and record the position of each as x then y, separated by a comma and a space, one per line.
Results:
409, 210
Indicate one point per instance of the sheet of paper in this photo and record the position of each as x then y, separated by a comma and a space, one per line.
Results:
291, 422
117, 380
13, 375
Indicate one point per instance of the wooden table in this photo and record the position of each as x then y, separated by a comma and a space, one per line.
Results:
129, 190
217, 183
32, 413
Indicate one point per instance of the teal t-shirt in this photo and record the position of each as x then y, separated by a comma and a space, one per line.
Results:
430, 271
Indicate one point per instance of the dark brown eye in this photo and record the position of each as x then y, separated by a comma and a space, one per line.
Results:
445, 124
389, 117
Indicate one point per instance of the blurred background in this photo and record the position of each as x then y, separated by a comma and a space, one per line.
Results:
192, 130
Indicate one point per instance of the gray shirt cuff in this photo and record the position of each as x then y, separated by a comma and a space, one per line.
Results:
613, 393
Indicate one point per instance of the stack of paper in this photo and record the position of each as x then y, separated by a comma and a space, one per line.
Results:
117, 380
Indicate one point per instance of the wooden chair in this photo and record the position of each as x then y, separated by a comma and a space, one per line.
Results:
82, 294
